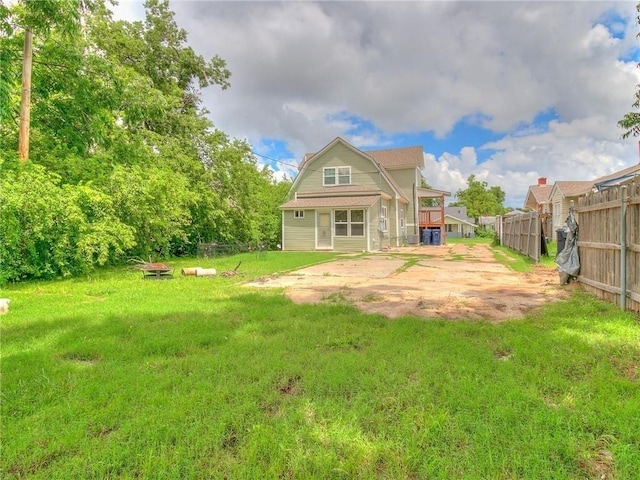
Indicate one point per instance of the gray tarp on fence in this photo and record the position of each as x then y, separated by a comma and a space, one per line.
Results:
568, 259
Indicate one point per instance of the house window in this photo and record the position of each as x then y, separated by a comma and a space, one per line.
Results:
384, 223
557, 218
402, 218
341, 220
349, 223
449, 228
357, 223
337, 176
298, 214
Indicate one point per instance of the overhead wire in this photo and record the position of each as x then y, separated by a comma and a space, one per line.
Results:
308, 169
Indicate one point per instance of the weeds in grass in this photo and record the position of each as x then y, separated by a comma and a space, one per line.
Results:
371, 298
339, 297
115, 377
408, 263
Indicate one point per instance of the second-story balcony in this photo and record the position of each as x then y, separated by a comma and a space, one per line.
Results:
431, 216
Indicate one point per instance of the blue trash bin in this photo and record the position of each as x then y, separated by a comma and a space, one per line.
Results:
435, 236
426, 236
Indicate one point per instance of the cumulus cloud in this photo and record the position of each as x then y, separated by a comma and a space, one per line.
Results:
301, 71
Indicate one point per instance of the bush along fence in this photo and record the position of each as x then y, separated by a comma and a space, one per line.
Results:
609, 245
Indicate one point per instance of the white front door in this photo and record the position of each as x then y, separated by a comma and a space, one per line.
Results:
323, 230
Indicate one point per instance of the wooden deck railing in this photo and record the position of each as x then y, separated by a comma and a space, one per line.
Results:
431, 216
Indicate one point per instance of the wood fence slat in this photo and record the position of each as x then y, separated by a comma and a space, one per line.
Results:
599, 244
522, 233
602, 206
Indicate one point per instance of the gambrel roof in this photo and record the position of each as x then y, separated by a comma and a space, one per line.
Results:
392, 158
405, 157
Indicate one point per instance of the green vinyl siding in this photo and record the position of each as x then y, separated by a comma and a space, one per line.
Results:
406, 179
299, 233
363, 171
350, 244
377, 238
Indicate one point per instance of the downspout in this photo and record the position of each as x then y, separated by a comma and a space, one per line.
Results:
397, 224
368, 229
415, 211
282, 232
623, 248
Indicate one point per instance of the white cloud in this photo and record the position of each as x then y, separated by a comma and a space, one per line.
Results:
129, 10
410, 67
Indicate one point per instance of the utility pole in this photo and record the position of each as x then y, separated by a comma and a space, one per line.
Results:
25, 100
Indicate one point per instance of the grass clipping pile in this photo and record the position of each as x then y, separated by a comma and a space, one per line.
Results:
460, 281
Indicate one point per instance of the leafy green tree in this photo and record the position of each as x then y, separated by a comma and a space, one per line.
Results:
480, 199
631, 121
427, 202
49, 230
155, 203
117, 119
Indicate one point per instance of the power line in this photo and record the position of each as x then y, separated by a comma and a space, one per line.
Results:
308, 169
275, 160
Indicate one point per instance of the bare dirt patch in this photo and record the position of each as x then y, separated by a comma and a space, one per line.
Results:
456, 281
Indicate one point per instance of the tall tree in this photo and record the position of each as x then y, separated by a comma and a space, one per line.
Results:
631, 121
480, 199
116, 110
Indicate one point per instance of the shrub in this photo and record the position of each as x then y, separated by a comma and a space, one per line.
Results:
47, 230
485, 233
157, 204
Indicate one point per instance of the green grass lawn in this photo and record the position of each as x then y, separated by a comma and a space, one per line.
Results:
112, 376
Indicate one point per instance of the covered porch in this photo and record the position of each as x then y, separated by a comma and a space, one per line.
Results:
431, 211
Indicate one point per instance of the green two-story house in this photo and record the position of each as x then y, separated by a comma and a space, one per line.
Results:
346, 199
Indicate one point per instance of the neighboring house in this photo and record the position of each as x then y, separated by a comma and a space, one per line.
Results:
346, 199
538, 199
622, 177
487, 222
457, 223
564, 192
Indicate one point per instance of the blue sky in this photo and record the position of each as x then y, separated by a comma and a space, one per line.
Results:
506, 91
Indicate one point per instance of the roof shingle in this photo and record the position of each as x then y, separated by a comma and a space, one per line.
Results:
331, 202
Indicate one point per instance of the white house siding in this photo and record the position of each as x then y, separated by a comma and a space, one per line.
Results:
457, 229
560, 217
299, 233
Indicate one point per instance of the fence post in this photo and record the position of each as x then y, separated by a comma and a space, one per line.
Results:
623, 248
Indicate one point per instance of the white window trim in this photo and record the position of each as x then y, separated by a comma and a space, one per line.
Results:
384, 222
557, 214
298, 214
349, 222
336, 176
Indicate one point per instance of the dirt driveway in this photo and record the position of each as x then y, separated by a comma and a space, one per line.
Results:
457, 281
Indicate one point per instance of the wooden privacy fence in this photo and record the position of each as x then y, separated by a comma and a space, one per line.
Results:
522, 233
601, 245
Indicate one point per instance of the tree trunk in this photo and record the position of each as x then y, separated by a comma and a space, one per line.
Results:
25, 101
